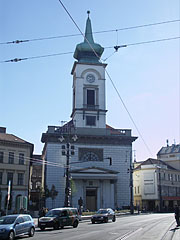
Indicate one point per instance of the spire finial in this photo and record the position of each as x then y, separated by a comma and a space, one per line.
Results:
88, 12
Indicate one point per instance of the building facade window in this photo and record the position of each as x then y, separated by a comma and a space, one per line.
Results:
10, 178
21, 158
11, 157
1, 174
20, 179
1, 157
90, 121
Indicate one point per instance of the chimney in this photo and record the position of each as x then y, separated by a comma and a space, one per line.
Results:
2, 130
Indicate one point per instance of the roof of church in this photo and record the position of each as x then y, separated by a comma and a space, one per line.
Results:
169, 149
88, 51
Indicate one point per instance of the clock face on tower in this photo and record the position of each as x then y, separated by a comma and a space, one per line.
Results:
90, 78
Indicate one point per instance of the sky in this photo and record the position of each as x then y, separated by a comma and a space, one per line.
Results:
37, 92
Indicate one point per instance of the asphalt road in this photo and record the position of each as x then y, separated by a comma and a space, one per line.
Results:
131, 227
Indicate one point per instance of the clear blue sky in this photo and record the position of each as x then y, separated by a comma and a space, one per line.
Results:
38, 92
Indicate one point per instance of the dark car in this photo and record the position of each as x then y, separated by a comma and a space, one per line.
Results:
12, 226
104, 215
58, 218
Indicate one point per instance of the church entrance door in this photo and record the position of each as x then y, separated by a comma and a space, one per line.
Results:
91, 199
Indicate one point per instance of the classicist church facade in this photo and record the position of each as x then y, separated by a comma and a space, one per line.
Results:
86, 155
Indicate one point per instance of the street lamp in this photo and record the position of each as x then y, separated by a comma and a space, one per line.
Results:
67, 150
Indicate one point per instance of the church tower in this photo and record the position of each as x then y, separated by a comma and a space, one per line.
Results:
89, 101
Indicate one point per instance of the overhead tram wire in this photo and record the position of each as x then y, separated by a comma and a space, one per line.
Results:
97, 32
41, 161
115, 47
109, 78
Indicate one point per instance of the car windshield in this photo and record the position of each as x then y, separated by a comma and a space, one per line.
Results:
102, 211
53, 213
7, 220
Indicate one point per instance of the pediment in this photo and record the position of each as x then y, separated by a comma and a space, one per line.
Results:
94, 170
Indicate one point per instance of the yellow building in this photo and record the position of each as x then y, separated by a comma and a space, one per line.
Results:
15, 156
156, 185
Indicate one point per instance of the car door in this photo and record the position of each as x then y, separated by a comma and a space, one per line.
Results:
19, 226
64, 216
26, 224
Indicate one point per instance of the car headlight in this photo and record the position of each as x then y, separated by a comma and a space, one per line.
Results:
2, 230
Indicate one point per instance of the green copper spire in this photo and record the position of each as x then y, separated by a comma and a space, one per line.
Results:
85, 51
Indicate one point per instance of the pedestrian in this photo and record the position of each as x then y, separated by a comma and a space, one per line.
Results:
176, 214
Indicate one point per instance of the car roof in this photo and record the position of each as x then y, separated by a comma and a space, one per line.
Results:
65, 208
17, 215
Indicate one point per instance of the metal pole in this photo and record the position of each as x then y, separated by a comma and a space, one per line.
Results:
131, 186
67, 189
160, 191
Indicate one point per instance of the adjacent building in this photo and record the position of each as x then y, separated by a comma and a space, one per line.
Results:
86, 157
156, 185
37, 193
15, 156
170, 155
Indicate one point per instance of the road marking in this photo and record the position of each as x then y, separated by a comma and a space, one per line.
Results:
128, 234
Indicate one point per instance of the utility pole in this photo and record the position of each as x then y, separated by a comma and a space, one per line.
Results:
68, 187
131, 185
68, 150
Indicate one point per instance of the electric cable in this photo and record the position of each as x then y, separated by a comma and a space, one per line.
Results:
115, 47
97, 32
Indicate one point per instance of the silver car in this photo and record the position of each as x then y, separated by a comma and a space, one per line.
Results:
12, 226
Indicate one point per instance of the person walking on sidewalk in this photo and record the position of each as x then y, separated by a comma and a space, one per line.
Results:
176, 214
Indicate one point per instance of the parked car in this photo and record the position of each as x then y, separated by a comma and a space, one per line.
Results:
104, 215
58, 218
15, 225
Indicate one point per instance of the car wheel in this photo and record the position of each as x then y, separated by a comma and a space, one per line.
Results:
11, 236
114, 219
62, 227
31, 232
42, 228
56, 226
93, 222
75, 224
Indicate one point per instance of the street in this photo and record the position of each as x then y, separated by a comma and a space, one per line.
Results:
131, 227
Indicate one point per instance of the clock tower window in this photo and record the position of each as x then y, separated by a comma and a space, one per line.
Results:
90, 121
90, 97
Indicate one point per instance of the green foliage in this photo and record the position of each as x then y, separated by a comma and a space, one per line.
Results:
73, 187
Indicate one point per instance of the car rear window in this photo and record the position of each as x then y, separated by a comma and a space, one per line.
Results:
102, 211
26, 218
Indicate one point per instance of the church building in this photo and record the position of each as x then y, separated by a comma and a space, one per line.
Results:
87, 158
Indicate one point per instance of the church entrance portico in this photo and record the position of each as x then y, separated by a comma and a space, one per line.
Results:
96, 186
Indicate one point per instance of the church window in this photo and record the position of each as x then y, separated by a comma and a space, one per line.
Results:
90, 97
90, 154
90, 121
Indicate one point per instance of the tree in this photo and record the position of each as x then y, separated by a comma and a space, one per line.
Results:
44, 193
